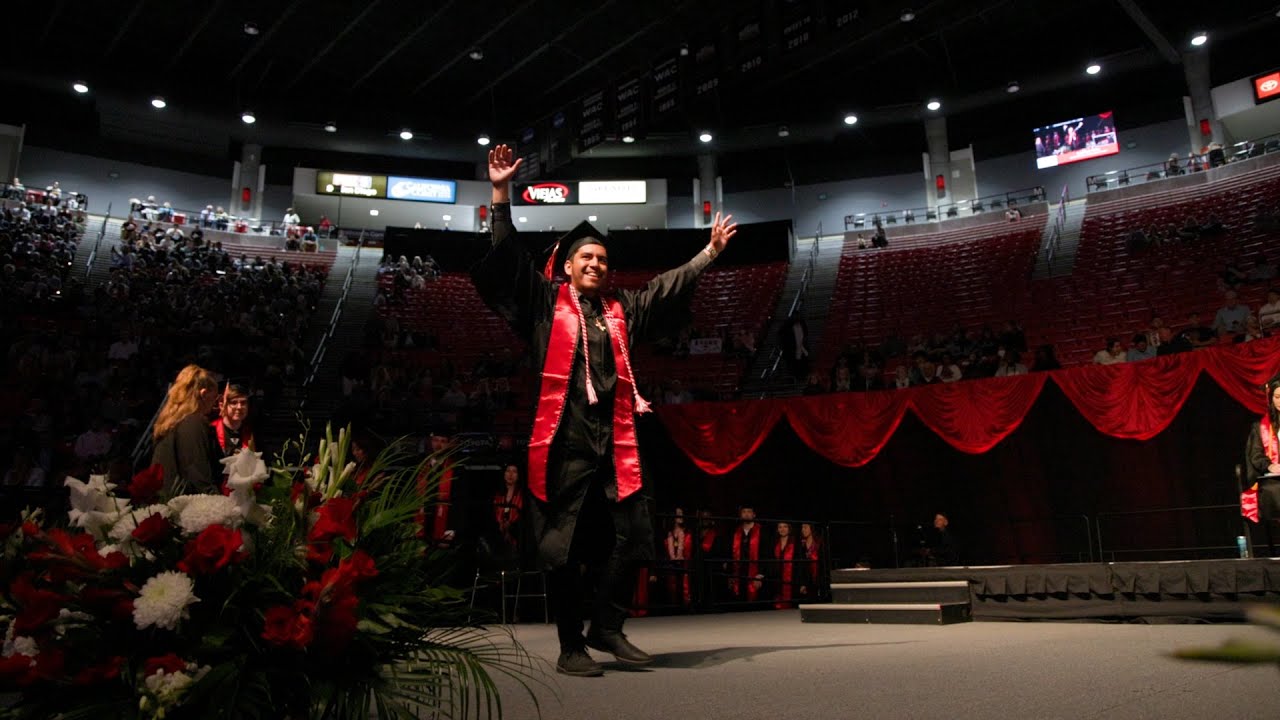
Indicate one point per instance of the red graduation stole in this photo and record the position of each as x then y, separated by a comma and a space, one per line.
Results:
556, 372
786, 555
246, 436
506, 512
752, 569
1270, 444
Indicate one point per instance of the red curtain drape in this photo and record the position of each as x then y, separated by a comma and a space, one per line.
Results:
719, 436
849, 428
975, 415
1129, 400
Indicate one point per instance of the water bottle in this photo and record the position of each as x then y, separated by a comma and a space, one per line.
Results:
1242, 546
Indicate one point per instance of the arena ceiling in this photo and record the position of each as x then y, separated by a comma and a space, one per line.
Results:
520, 70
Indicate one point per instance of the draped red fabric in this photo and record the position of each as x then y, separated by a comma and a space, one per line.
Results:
1242, 370
975, 415
719, 436
1135, 401
849, 428
1131, 400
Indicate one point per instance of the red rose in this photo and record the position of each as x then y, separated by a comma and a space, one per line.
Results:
153, 531
170, 663
16, 670
320, 553
35, 606
213, 549
102, 672
336, 520
147, 483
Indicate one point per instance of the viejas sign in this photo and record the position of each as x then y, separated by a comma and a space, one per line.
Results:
586, 192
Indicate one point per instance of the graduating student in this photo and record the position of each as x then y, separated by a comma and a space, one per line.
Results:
232, 428
746, 576
787, 571
584, 470
811, 547
1262, 472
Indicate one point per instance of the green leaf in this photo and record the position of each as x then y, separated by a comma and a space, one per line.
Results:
1233, 651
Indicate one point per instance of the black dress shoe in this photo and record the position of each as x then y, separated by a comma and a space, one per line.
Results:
616, 644
578, 664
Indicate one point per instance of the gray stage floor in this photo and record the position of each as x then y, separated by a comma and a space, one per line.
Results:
770, 665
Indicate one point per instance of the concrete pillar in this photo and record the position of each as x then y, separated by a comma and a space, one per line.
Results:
1195, 64
938, 160
249, 173
707, 189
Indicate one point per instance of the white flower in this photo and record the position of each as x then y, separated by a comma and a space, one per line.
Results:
163, 601
68, 619
92, 505
18, 645
167, 688
244, 469
122, 531
197, 512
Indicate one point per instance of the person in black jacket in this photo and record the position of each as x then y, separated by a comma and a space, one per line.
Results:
184, 441
1262, 469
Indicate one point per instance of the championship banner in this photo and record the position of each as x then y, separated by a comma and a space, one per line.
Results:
628, 113
705, 346
749, 55
591, 121
706, 67
797, 25
666, 87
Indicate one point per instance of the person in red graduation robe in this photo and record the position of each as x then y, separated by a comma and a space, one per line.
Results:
746, 577
232, 428
1262, 474
787, 569
584, 472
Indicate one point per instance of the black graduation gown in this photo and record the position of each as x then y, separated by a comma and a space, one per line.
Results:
512, 284
1256, 464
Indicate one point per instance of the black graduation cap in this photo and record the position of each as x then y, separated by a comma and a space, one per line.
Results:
584, 233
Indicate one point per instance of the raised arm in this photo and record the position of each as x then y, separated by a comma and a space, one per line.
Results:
660, 303
508, 277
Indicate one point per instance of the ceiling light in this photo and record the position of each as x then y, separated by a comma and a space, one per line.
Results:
684, 50
158, 103
251, 29
373, 212
80, 88
248, 117
934, 105
522, 219
592, 218
628, 138
483, 140
476, 54
907, 15
331, 127
1093, 69
447, 218
705, 137
406, 135
783, 131
1012, 87
1199, 39
850, 119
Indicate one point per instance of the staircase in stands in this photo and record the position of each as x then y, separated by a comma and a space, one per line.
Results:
941, 602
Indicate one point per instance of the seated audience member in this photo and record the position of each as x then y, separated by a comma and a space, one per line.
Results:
901, 377
1269, 313
929, 370
676, 393
326, 225
1153, 332
1197, 334
1140, 350
843, 379
1045, 359
868, 379
1114, 353
1010, 363
814, 386
1171, 344
310, 241
1013, 214
1252, 331
221, 219
949, 371
1231, 316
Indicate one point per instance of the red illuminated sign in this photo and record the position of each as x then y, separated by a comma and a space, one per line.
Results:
548, 193
1266, 87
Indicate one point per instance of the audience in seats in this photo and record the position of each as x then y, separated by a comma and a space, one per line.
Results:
1231, 317
1110, 355
1140, 349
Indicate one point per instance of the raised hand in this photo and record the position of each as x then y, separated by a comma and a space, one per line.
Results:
501, 168
721, 231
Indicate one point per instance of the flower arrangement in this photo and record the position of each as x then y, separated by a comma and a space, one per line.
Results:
303, 591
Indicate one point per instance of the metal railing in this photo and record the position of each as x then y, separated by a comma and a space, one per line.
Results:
1233, 525
97, 244
144, 444
1194, 163
965, 208
797, 302
322, 347
1059, 222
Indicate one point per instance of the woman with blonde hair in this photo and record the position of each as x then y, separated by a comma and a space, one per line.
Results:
184, 443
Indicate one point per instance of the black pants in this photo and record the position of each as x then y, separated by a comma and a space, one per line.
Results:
600, 572
1266, 534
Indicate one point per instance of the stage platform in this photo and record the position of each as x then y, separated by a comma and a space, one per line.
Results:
1201, 589
768, 665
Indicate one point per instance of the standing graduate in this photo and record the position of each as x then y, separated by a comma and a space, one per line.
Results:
232, 428
1262, 473
746, 577
787, 569
584, 469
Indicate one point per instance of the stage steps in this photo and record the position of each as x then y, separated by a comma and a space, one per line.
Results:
938, 602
